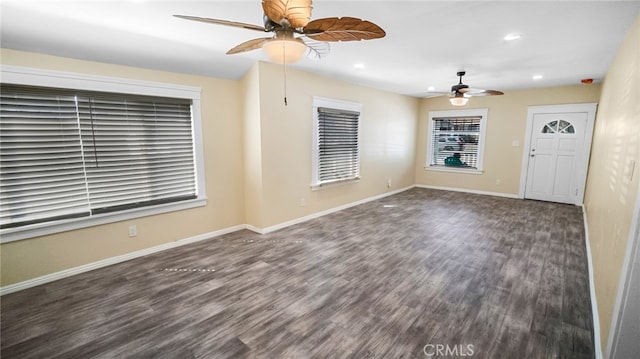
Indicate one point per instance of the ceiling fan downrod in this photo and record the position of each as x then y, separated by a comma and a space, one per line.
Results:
456, 88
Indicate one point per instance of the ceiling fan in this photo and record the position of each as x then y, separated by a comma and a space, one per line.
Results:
294, 33
460, 93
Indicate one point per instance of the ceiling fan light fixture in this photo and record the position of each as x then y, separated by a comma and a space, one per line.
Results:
458, 100
285, 50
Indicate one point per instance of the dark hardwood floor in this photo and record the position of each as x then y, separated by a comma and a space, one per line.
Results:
423, 270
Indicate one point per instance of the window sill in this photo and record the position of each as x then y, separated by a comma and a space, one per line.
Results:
319, 186
470, 171
42, 229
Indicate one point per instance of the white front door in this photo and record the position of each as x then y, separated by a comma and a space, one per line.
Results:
556, 168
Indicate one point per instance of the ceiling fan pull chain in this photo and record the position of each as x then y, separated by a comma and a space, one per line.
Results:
284, 71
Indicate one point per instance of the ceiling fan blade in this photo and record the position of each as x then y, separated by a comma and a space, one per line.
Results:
480, 92
316, 50
222, 22
343, 29
297, 12
437, 94
249, 45
489, 93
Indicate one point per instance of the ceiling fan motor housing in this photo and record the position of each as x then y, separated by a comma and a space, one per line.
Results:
269, 25
460, 85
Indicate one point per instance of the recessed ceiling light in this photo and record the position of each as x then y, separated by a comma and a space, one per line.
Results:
537, 77
431, 88
359, 66
511, 37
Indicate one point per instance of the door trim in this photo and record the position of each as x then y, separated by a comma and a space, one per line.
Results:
583, 158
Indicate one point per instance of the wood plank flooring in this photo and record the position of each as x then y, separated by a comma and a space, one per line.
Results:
505, 278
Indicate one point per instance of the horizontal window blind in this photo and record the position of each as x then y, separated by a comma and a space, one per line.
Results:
78, 153
338, 150
138, 151
42, 173
455, 141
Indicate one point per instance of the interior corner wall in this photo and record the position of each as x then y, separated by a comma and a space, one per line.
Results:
388, 124
252, 148
506, 125
222, 133
612, 183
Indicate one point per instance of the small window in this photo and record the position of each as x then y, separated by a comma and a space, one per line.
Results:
456, 140
337, 146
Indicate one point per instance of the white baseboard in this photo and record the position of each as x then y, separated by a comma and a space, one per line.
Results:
128, 256
466, 190
255, 229
323, 213
592, 290
113, 260
11, 288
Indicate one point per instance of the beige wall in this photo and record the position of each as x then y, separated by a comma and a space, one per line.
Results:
221, 109
610, 195
506, 122
388, 125
257, 159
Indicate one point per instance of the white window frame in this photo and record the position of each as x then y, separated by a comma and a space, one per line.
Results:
58, 79
316, 183
475, 112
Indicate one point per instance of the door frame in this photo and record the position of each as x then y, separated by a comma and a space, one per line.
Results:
582, 163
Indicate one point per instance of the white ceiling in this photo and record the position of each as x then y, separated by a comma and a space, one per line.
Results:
426, 42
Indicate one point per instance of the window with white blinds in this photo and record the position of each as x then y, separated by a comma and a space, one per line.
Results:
456, 139
337, 142
68, 153
42, 174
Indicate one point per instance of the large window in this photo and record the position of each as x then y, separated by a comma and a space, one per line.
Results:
68, 156
456, 140
336, 151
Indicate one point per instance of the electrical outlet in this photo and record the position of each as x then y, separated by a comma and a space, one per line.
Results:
133, 230
389, 183
498, 182
303, 202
